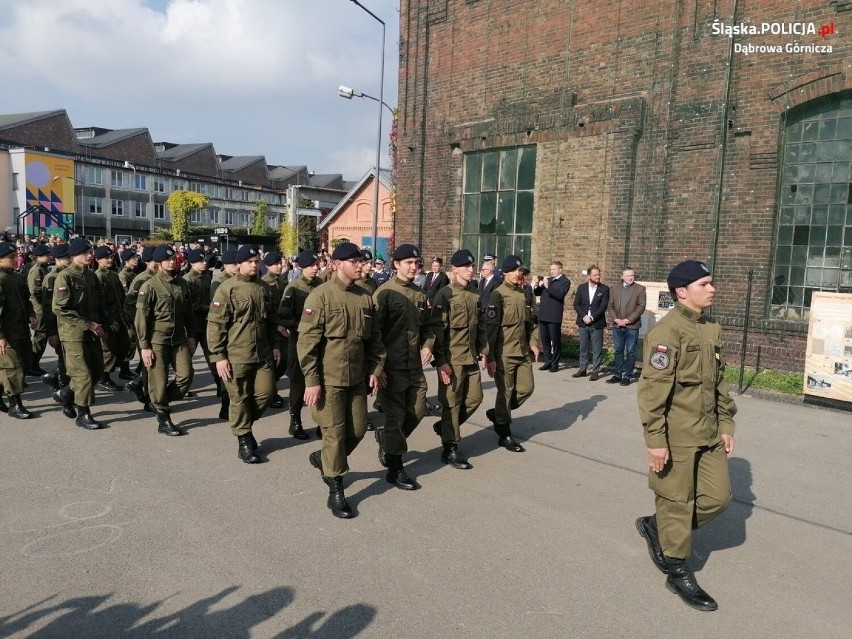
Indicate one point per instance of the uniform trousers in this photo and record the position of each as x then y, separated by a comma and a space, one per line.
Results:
15, 365
341, 413
39, 342
60, 363
295, 375
515, 384
84, 364
460, 399
404, 405
250, 388
115, 347
691, 491
160, 390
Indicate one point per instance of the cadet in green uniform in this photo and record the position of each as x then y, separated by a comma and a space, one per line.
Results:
16, 318
460, 340
116, 344
130, 263
274, 262
229, 269
366, 282
139, 384
509, 326
242, 331
79, 314
166, 329
199, 293
688, 417
35, 281
401, 315
289, 315
57, 378
339, 347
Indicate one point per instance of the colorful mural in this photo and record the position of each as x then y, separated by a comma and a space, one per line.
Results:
50, 188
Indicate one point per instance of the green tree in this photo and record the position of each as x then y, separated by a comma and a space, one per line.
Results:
287, 238
258, 222
183, 204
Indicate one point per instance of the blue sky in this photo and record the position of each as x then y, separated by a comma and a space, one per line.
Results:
254, 77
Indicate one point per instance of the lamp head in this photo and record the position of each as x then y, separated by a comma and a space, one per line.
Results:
345, 92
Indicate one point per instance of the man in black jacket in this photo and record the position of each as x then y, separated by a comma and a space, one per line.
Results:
590, 302
435, 280
553, 291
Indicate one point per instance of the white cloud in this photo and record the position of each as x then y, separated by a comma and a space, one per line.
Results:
251, 76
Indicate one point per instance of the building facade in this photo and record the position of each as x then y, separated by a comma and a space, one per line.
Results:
638, 133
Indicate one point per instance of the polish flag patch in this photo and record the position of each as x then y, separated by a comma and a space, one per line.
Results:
308, 311
63, 289
217, 304
662, 348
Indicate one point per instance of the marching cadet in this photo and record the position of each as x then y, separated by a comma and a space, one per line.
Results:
242, 332
367, 282
339, 348
165, 328
79, 315
130, 262
199, 293
401, 315
460, 339
139, 384
35, 281
16, 319
688, 417
510, 329
229, 269
58, 377
289, 315
274, 262
117, 342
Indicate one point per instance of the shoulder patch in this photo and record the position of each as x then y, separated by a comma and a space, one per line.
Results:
659, 360
662, 348
217, 304
491, 312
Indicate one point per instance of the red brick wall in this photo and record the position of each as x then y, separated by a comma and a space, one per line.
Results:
655, 142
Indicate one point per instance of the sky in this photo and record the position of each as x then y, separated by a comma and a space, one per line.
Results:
254, 77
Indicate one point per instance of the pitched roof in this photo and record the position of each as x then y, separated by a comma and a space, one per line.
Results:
181, 151
385, 178
239, 162
111, 137
12, 120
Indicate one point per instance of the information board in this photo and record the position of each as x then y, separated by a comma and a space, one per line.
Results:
828, 358
658, 302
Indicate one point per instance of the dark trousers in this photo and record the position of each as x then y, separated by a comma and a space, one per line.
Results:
551, 342
590, 336
624, 342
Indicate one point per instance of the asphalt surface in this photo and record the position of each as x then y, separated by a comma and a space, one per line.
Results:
128, 533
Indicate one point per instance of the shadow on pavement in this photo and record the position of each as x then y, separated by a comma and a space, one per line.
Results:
555, 419
93, 618
729, 529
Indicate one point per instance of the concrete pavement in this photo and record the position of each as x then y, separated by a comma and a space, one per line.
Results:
128, 533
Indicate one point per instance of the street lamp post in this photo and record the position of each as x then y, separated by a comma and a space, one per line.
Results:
379, 135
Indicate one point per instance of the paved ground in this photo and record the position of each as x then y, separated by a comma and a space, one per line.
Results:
125, 532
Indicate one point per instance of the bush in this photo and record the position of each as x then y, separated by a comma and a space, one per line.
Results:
789, 383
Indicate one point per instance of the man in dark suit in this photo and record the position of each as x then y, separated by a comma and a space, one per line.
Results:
626, 305
488, 279
590, 302
436, 279
553, 291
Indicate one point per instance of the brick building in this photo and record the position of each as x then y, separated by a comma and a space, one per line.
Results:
640, 133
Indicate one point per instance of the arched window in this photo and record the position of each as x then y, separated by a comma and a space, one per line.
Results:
814, 244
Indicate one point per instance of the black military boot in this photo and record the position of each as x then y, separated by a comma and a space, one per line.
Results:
276, 402
85, 419
106, 384
336, 499
137, 387
244, 450
254, 444
397, 475
451, 456
17, 410
682, 582
225, 407
647, 527
166, 426
3, 407
491, 416
65, 398
125, 372
52, 380
379, 434
507, 442
296, 429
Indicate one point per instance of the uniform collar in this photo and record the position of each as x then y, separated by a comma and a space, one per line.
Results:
688, 313
166, 277
243, 278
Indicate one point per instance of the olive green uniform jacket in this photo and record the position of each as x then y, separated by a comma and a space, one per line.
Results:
199, 293
339, 343
35, 282
683, 397
242, 326
164, 312
402, 317
458, 325
77, 302
509, 322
